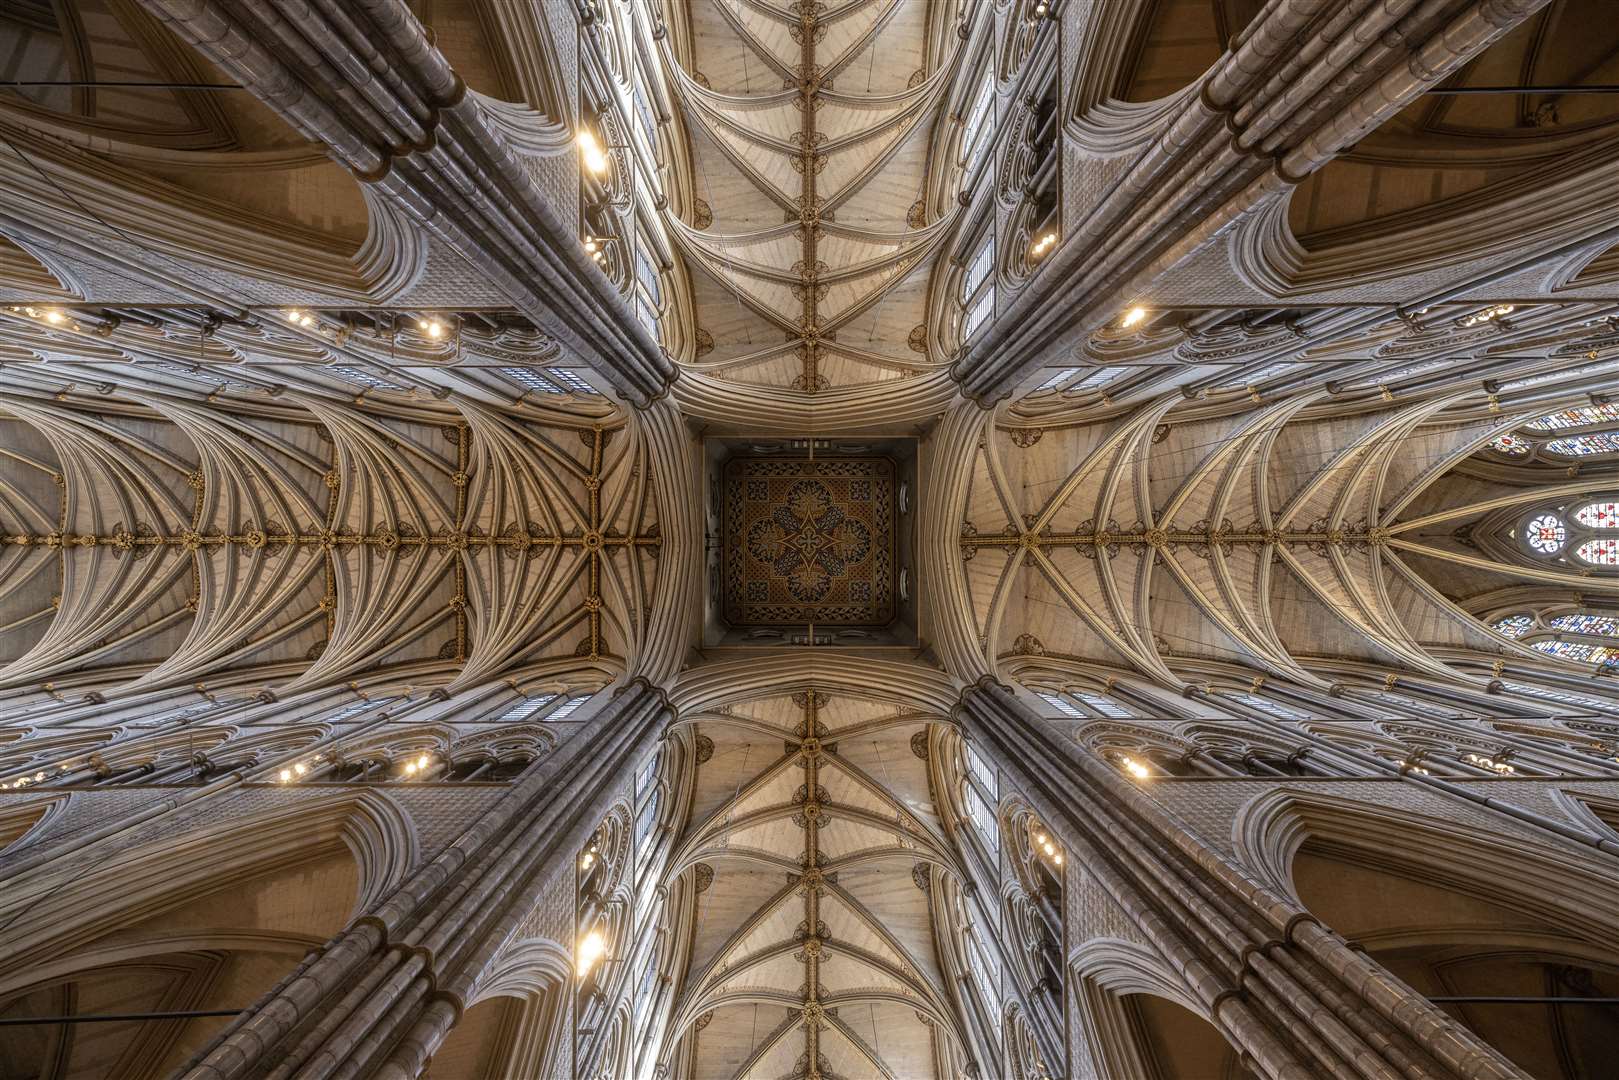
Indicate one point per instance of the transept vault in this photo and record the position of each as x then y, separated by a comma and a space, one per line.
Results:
808, 539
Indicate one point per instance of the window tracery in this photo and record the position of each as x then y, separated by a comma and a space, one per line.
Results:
1581, 533
1584, 431
1265, 705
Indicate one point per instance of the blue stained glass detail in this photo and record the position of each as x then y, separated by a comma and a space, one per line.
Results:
1601, 442
1576, 417
1514, 626
1595, 625
1580, 652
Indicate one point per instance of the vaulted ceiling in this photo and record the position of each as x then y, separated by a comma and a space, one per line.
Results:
315, 540
816, 941
811, 241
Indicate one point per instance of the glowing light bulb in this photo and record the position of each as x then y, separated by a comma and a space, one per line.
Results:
591, 948
1057, 858
300, 768
1040, 838
293, 315
410, 767
305, 320
587, 862
591, 151
1048, 848
54, 317
435, 329
423, 761
285, 774
1132, 317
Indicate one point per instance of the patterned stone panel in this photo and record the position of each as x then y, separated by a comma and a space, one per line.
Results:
85, 811
1209, 807
551, 917
443, 813
809, 541
448, 281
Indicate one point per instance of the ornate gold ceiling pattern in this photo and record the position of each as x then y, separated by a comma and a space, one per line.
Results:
810, 542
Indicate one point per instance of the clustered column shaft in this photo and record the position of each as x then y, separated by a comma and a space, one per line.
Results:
1290, 994
363, 79
380, 997
1305, 79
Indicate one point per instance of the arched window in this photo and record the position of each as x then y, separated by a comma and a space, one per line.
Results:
1583, 637
1581, 533
648, 285
1581, 702
1264, 705
978, 287
1584, 431
1085, 704
978, 127
980, 795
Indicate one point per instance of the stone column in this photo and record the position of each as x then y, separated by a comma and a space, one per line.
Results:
380, 996
1292, 996
1304, 80
364, 80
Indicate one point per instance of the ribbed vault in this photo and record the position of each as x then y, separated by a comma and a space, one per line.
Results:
1265, 538
815, 948
809, 130
175, 540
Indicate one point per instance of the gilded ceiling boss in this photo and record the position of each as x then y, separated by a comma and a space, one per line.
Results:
809, 539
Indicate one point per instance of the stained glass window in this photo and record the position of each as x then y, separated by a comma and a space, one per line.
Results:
571, 381
528, 380
1096, 378
1405, 372
1576, 417
526, 708
1596, 625
1546, 533
569, 706
1599, 515
978, 286
1560, 374
1580, 652
1601, 442
1599, 552
981, 771
362, 378
1514, 626
1515, 445
983, 819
